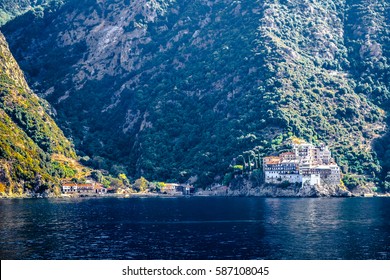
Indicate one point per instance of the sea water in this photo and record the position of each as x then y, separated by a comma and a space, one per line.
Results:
195, 228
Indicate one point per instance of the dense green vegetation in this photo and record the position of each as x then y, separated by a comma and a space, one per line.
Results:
10, 9
171, 90
368, 43
313, 84
30, 141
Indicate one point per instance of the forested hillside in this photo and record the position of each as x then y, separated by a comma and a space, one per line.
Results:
177, 89
34, 153
10, 9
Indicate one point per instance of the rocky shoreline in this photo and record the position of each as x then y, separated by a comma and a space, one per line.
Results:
245, 187
238, 187
264, 191
274, 191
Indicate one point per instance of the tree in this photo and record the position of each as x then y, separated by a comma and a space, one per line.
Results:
238, 167
160, 186
97, 176
124, 179
387, 181
141, 184
241, 156
2, 188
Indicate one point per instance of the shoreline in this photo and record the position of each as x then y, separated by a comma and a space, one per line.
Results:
158, 195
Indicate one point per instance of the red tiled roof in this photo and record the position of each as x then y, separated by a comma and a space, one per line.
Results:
272, 160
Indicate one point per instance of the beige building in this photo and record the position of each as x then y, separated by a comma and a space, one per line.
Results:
305, 164
88, 188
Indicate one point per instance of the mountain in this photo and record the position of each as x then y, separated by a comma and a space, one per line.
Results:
34, 152
186, 89
10, 9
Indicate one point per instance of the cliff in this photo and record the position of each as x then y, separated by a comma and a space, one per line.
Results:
29, 138
178, 89
247, 187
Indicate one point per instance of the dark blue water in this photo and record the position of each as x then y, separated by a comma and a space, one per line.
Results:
195, 228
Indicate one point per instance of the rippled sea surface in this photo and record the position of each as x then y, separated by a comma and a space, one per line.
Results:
195, 228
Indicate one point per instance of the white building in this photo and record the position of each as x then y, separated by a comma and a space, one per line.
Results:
305, 164
69, 188
83, 188
312, 179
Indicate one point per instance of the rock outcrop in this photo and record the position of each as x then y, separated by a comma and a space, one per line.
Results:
245, 187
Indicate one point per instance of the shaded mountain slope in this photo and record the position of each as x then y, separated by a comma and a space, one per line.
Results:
173, 89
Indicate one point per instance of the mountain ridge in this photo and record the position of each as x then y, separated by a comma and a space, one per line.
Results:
177, 89
30, 139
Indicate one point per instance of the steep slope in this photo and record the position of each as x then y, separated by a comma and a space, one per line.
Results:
368, 43
313, 83
10, 9
29, 138
172, 89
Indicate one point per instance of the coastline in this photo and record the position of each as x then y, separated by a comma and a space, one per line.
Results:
200, 194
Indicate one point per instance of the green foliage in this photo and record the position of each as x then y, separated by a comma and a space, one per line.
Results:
97, 176
244, 77
257, 177
351, 182
29, 138
61, 170
141, 184
227, 179
238, 167
159, 186
10, 9
386, 183
284, 184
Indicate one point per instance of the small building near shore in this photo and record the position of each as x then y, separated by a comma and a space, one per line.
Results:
99, 189
170, 188
185, 189
69, 188
85, 188
88, 188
